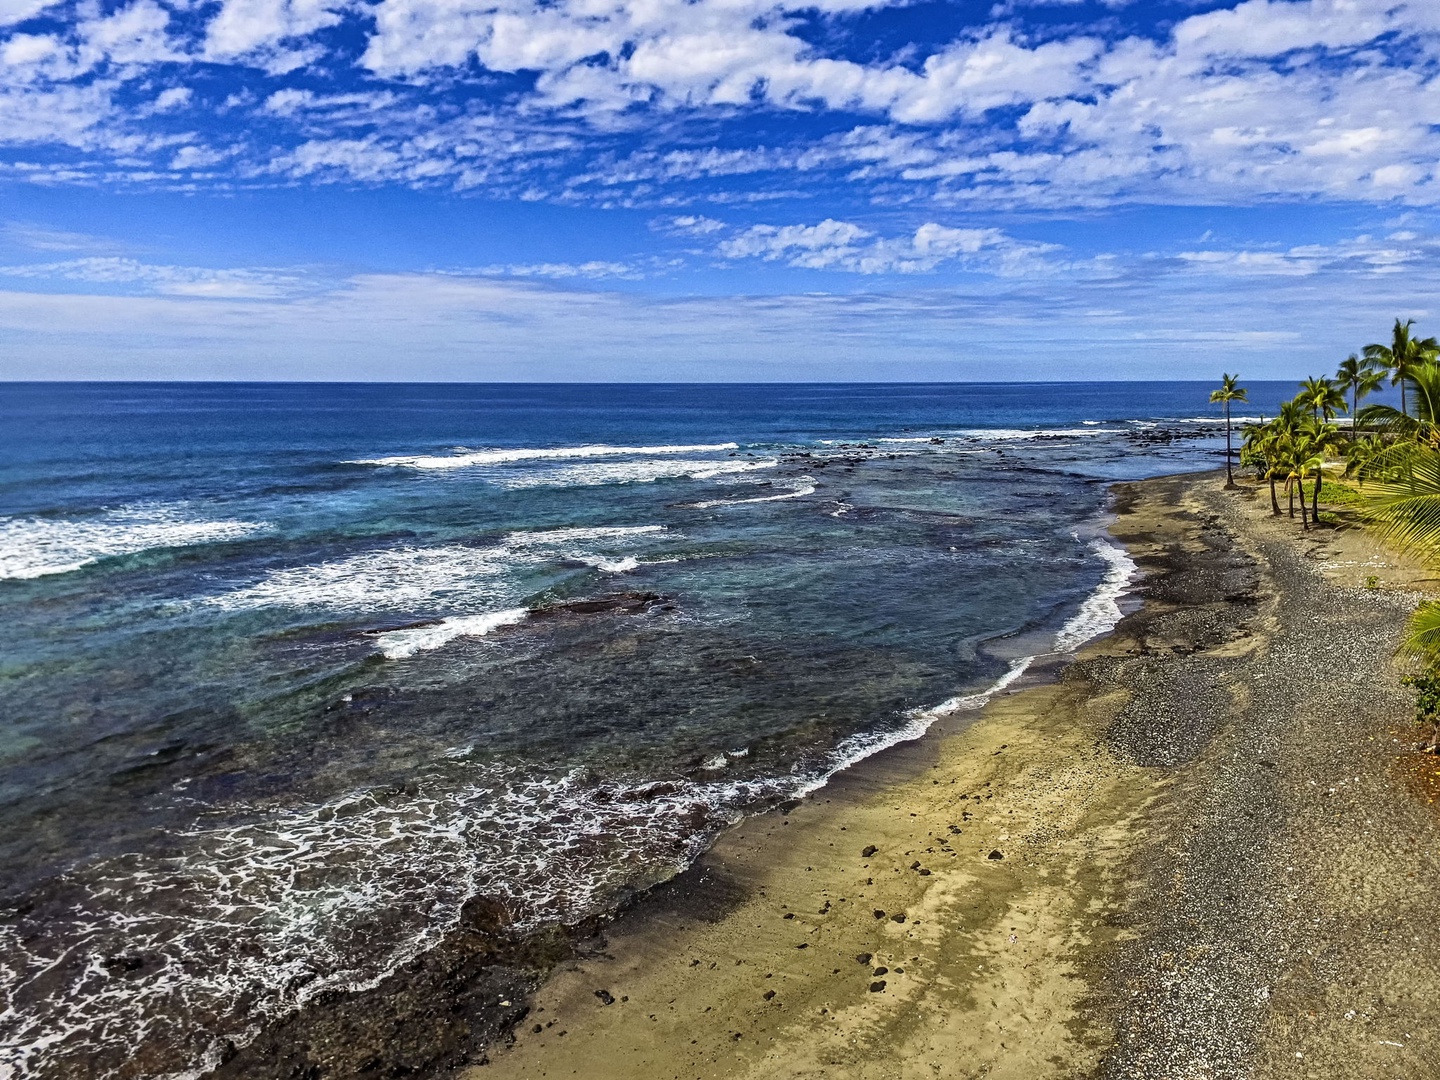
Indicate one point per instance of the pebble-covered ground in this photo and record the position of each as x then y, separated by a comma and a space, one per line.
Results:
1289, 919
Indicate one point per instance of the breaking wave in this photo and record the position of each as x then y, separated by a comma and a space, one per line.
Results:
37, 547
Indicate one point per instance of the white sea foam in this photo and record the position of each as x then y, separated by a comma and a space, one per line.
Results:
915, 723
1017, 434
504, 457
595, 473
388, 580
1100, 611
256, 919
400, 644
407, 578
580, 535
613, 566
806, 487
36, 547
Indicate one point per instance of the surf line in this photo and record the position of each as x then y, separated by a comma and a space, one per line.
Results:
1099, 614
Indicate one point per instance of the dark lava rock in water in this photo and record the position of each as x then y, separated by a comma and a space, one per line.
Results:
629, 602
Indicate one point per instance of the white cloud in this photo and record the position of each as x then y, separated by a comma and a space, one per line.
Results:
1288, 99
479, 328
34, 237
15, 11
841, 245
594, 270
257, 30
164, 280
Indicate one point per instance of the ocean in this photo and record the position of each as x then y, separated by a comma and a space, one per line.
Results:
292, 673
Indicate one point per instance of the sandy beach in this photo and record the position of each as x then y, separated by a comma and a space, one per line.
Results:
1207, 848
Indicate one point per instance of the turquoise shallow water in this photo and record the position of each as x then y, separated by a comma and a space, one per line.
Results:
292, 672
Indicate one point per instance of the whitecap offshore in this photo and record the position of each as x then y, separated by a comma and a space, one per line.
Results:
468, 459
416, 578
32, 547
597, 473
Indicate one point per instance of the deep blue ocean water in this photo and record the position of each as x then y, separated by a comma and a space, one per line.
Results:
294, 671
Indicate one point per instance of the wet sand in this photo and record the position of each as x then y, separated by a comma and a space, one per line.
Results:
1205, 849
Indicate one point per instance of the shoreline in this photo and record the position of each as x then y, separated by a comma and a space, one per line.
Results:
1020, 849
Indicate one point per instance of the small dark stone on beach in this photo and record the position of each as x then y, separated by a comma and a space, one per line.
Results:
997, 855
768, 994
868, 850
877, 986
789, 915
538, 1028
879, 914
803, 945
880, 971
898, 917
606, 998
924, 873
915, 865
864, 957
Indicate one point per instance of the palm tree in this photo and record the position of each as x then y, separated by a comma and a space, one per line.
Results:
1230, 390
1258, 447
1404, 498
1402, 356
1424, 425
1358, 378
1320, 440
1322, 397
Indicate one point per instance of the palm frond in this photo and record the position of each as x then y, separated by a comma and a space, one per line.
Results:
1422, 634
1404, 499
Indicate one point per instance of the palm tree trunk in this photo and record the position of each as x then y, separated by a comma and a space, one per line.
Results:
1274, 502
1229, 475
1315, 499
1404, 410
1304, 518
1290, 494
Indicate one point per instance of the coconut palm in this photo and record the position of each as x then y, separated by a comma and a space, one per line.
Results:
1258, 448
1403, 499
1402, 356
1424, 424
1321, 440
1322, 397
1358, 378
1230, 390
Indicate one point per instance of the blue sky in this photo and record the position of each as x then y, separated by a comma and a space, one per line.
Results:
713, 189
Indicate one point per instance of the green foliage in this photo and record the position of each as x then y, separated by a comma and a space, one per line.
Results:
1372, 581
1422, 636
1427, 697
1331, 492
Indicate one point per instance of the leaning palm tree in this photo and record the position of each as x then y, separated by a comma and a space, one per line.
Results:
1402, 356
1258, 448
1230, 390
1358, 378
